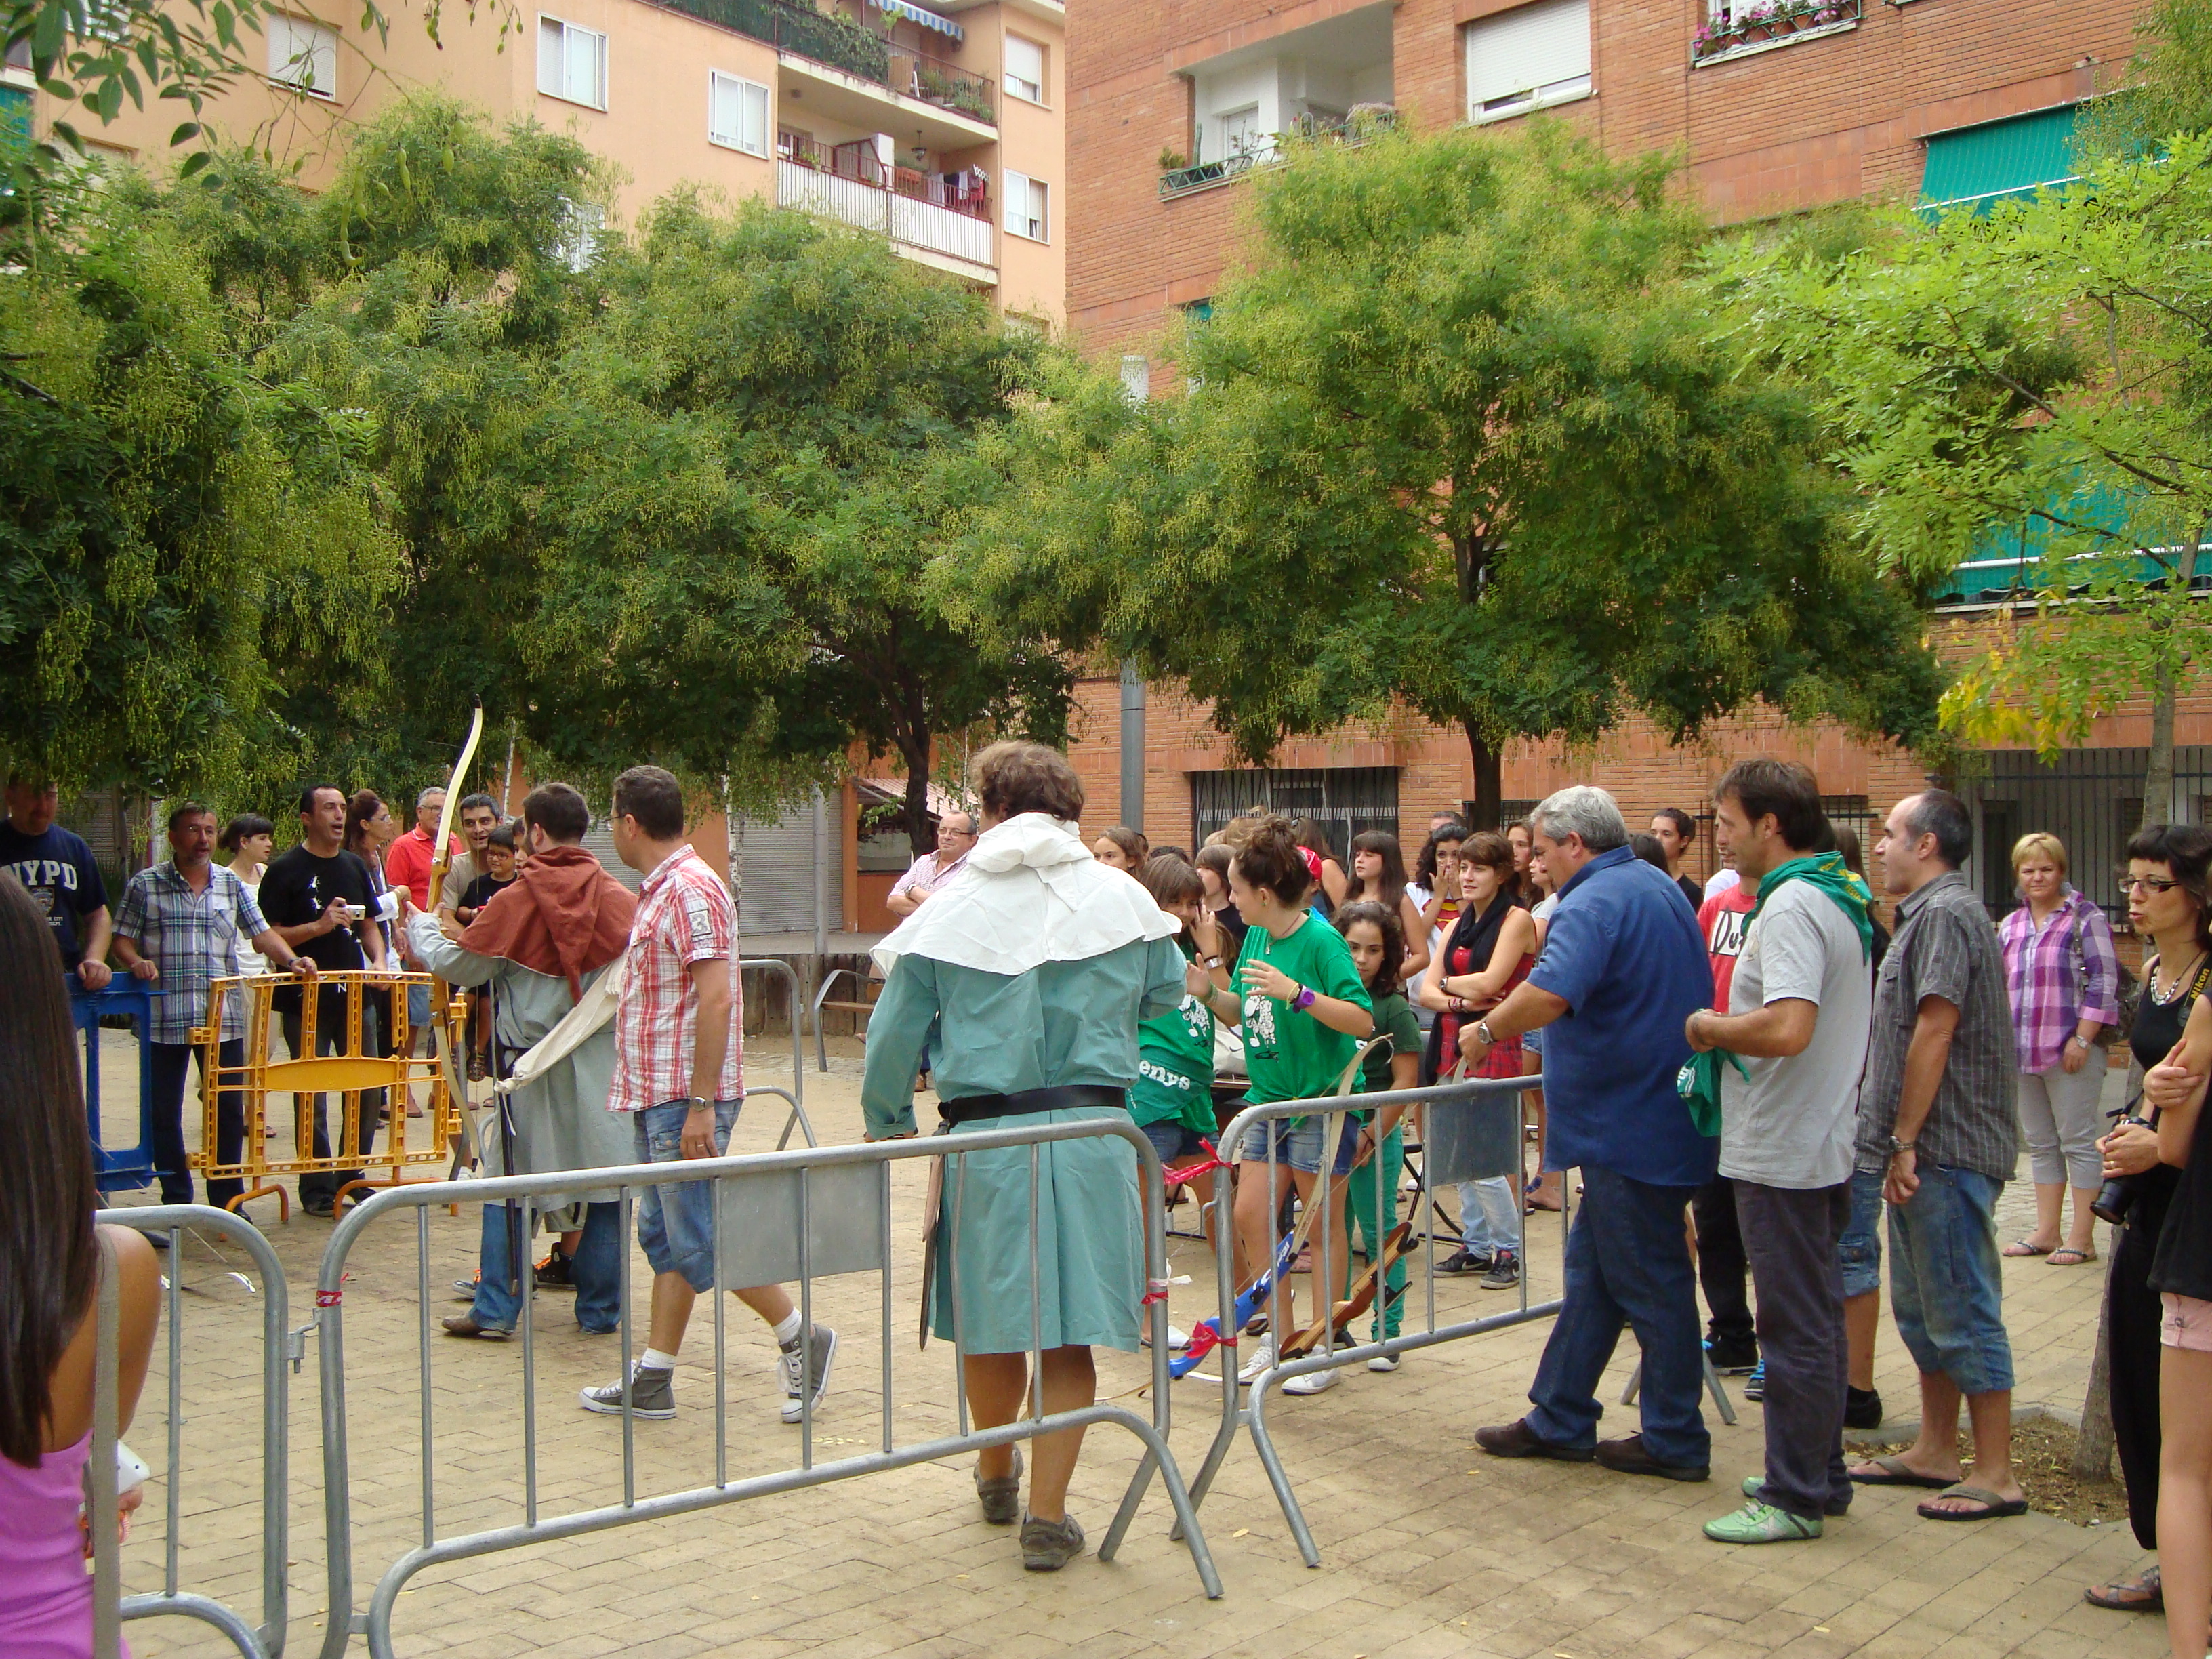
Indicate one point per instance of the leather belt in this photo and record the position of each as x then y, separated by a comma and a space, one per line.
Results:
1066, 1096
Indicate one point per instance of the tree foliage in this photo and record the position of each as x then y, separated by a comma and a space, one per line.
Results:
1465, 439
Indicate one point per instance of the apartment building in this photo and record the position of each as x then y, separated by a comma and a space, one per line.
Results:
1772, 105
939, 127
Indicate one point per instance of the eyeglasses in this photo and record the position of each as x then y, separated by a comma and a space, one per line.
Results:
2148, 883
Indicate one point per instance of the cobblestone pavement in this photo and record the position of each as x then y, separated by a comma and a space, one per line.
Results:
1428, 1547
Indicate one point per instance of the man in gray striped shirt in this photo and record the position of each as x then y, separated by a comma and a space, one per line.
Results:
1936, 1118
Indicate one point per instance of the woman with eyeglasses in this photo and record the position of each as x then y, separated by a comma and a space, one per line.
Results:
2165, 889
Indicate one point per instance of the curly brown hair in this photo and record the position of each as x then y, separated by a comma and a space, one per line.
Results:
1013, 777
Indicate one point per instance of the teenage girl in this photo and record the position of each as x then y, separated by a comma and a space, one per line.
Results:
1173, 1099
1378, 874
1373, 935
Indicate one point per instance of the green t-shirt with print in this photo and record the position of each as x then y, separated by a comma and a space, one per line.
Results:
1291, 1055
1175, 1068
1393, 1018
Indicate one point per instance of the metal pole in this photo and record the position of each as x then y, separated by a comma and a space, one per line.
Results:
821, 879
1132, 748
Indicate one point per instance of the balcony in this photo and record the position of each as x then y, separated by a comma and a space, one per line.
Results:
1272, 150
1747, 28
838, 43
944, 219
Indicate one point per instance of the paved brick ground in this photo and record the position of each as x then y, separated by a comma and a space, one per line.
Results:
1429, 1547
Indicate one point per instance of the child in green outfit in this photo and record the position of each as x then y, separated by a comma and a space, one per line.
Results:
1172, 1100
1377, 941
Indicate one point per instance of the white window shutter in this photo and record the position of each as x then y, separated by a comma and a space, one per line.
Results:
1024, 69
588, 67
552, 53
752, 134
1018, 204
1542, 50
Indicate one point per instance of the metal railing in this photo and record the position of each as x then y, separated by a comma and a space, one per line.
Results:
133, 998
810, 1213
1272, 149
1492, 1105
1737, 30
867, 207
838, 43
266, 1640
796, 1095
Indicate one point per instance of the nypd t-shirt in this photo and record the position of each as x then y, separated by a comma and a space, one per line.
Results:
56, 867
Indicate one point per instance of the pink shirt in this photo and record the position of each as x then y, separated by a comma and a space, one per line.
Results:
684, 915
46, 1592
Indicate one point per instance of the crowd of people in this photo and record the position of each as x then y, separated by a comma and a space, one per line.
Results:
1751, 1080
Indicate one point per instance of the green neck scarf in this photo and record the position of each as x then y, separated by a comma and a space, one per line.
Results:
1828, 872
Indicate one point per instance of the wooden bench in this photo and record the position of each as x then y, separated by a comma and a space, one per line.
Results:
869, 990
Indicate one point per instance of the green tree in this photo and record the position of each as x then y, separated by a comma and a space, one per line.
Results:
1465, 439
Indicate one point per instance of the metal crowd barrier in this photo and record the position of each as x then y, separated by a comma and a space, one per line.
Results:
266, 1640
123, 1168
356, 1074
1494, 1106
810, 1212
796, 1095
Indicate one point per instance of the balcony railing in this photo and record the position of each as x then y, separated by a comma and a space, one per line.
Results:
1746, 27
963, 232
841, 44
957, 192
1272, 149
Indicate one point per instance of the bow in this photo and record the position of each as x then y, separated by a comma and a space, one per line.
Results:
441, 855
441, 861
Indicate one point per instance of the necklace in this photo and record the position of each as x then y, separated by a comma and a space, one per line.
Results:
2174, 986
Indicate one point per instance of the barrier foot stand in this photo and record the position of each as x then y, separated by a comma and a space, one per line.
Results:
1264, 1443
1722, 1403
1186, 1529
183, 1605
237, 1206
1223, 1438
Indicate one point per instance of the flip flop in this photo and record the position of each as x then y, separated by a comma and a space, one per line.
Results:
1994, 1508
2068, 1256
2021, 1247
2149, 1594
1895, 1472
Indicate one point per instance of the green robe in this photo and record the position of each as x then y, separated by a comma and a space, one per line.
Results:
1060, 1023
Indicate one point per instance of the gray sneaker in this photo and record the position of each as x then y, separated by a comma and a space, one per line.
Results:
651, 1394
821, 1347
1505, 1272
1048, 1546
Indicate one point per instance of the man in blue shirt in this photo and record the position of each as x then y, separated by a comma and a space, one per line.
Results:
1622, 970
57, 866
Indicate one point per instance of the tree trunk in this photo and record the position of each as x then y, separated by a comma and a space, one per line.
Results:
2158, 776
921, 828
2093, 1447
1489, 781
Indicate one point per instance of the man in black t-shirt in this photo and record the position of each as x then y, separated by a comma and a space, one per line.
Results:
56, 866
318, 897
1677, 832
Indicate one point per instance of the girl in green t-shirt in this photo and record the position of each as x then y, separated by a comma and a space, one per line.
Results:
1377, 940
1172, 1100
1304, 1013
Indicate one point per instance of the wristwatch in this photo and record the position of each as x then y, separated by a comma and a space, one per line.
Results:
698, 1103
1306, 997
1482, 1031
1897, 1146
1209, 962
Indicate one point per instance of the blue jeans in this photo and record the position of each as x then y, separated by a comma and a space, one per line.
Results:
1176, 1142
676, 1222
1628, 1263
1490, 1216
1860, 1247
418, 1012
597, 1268
1946, 1287
1299, 1145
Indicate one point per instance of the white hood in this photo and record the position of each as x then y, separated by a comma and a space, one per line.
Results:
1030, 892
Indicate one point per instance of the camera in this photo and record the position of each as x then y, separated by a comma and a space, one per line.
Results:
2116, 1196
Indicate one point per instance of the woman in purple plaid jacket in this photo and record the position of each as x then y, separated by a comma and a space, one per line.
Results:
2064, 975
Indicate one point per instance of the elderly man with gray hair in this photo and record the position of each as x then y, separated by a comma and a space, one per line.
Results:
1623, 967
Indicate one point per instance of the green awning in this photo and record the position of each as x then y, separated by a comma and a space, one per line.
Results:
15, 115
1971, 168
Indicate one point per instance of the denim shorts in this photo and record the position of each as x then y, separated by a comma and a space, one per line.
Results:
676, 1222
1299, 1145
418, 1006
1176, 1143
1946, 1285
1860, 1247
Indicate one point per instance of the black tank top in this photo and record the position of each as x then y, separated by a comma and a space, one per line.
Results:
2158, 1027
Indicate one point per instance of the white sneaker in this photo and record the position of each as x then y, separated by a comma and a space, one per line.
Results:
1312, 1382
1262, 1359
822, 1344
1178, 1339
1384, 1362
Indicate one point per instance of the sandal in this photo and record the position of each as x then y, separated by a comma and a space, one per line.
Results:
2142, 1593
1895, 1472
1993, 1507
2021, 1247
2068, 1256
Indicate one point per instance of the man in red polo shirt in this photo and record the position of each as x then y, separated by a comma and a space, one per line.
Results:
407, 864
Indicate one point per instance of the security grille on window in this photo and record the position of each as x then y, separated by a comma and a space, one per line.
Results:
1025, 69
737, 113
1025, 207
580, 229
302, 55
1343, 799
1527, 58
571, 63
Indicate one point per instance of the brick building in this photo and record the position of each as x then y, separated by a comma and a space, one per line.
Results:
1772, 107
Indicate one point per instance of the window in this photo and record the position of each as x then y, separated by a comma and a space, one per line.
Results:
571, 63
1025, 207
581, 227
302, 55
1529, 58
737, 113
1025, 69
1240, 130
1345, 800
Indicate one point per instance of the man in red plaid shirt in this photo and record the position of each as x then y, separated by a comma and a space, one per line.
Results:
678, 1030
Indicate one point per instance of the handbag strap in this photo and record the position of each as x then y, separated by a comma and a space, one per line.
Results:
100, 1478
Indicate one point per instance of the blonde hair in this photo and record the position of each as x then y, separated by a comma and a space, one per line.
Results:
2039, 844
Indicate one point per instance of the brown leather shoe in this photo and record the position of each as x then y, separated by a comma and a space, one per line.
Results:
1517, 1439
462, 1325
1628, 1457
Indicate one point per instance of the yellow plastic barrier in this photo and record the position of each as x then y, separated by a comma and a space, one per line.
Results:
355, 1069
